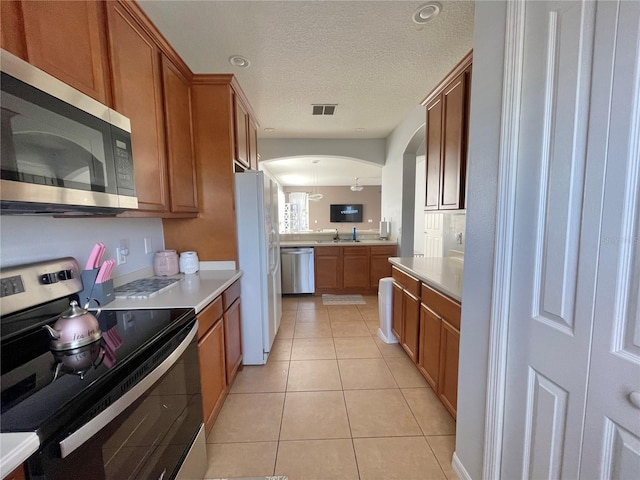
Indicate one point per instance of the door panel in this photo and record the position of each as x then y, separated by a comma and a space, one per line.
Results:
612, 425
434, 145
551, 304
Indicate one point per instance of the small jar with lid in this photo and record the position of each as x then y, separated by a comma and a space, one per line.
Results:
165, 263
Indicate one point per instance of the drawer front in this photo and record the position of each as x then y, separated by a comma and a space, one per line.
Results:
327, 251
230, 294
386, 250
209, 316
410, 284
352, 251
442, 305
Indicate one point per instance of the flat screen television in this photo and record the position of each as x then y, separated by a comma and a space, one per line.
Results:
351, 213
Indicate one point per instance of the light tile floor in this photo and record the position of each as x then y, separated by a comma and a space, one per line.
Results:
334, 402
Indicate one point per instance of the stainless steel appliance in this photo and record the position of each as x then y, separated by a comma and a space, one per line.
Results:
62, 151
127, 406
297, 270
259, 259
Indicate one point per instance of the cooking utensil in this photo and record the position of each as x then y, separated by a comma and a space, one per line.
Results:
75, 328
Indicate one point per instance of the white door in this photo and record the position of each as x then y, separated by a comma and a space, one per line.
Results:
612, 427
559, 212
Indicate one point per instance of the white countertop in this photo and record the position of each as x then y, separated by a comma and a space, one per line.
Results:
329, 243
193, 291
15, 448
443, 274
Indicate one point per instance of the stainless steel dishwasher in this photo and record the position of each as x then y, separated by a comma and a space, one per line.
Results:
297, 270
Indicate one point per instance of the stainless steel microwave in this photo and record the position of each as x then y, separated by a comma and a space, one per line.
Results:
62, 151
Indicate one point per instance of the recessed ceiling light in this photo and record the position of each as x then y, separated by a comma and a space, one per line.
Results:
427, 12
360, 129
239, 61
269, 129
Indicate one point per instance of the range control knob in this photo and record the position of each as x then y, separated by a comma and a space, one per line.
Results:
65, 274
48, 278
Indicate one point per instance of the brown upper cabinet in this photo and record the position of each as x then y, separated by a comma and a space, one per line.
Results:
446, 139
253, 145
155, 94
213, 233
112, 52
241, 132
66, 39
183, 194
137, 88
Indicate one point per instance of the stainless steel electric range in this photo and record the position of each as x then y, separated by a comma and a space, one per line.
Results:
127, 405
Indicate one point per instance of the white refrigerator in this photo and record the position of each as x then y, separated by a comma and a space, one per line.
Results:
259, 260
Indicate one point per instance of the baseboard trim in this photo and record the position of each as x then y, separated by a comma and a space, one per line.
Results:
461, 472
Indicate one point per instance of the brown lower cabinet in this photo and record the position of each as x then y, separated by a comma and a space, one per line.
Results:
219, 351
17, 474
427, 324
406, 312
351, 269
232, 330
440, 345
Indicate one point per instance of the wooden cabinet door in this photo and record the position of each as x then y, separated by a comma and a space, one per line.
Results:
253, 145
328, 267
181, 160
12, 28
429, 356
355, 268
241, 133
212, 373
137, 82
411, 328
67, 39
433, 153
397, 315
454, 144
448, 372
232, 340
18, 473
379, 266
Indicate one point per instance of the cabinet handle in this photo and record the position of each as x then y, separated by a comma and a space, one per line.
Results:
634, 398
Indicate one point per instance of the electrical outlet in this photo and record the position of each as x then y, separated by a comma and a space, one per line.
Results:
148, 245
123, 251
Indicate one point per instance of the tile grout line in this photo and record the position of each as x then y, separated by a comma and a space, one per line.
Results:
286, 384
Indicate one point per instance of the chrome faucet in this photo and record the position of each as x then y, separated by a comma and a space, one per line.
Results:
336, 236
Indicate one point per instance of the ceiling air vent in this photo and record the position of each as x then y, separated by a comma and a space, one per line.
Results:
324, 109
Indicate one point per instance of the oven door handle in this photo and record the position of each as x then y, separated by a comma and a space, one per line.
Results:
89, 429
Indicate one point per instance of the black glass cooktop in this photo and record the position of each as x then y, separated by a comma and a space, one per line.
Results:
43, 390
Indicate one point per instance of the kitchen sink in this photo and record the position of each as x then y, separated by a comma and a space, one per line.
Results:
342, 240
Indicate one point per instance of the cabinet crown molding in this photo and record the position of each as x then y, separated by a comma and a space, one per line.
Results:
457, 70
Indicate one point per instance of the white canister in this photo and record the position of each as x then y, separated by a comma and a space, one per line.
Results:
189, 262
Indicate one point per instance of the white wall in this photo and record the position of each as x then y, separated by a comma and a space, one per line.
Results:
26, 239
418, 220
484, 141
368, 149
393, 193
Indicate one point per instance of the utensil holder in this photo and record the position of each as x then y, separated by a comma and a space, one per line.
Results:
102, 292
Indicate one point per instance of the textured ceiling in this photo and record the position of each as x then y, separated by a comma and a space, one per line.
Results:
302, 172
366, 56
